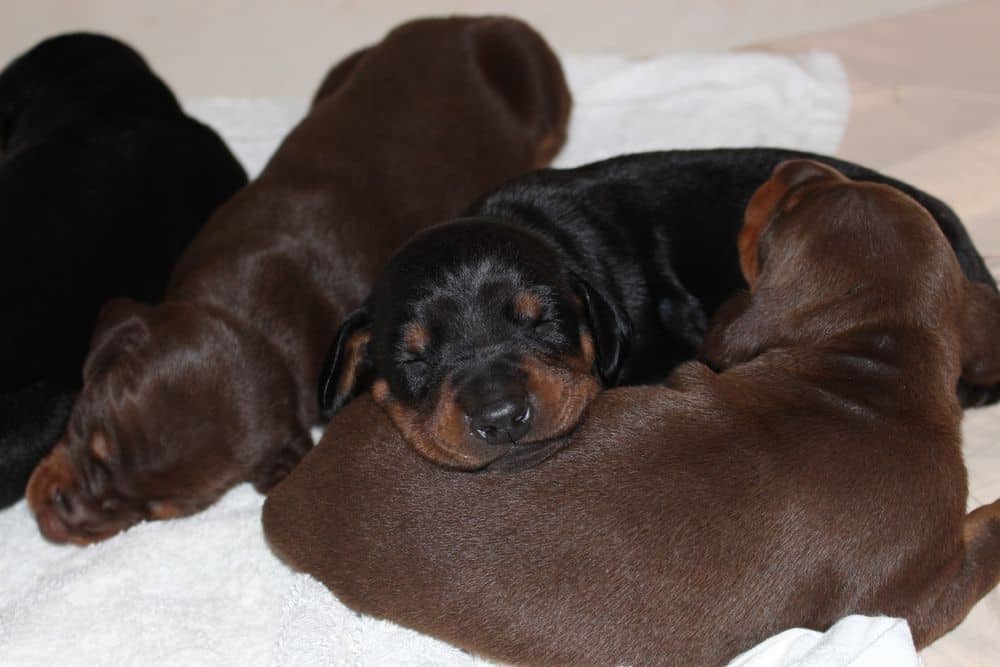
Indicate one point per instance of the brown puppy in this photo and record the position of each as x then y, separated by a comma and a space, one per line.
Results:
216, 385
820, 476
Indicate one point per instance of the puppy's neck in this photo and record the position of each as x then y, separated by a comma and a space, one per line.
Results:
849, 270
858, 339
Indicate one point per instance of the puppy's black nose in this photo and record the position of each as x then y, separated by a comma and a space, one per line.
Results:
503, 421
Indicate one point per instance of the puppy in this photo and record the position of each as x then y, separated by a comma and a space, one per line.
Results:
103, 182
487, 337
819, 475
216, 384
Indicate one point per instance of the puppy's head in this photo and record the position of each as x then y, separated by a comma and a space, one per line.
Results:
479, 344
819, 238
147, 438
66, 77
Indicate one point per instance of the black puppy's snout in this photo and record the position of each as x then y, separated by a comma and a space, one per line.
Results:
502, 421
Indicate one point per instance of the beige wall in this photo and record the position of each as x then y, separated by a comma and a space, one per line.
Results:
248, 48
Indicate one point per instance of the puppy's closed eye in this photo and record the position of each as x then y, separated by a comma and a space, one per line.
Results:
110, 505
98, 477
545, 328
415, 368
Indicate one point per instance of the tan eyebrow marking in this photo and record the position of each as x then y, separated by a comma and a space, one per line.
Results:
528, 305
416, 337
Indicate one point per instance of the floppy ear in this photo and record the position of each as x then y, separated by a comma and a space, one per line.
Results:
765, 202
348, 368
980, 342
122, 324
611, 329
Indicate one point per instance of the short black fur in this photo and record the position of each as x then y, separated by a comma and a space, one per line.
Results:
657, 233
652, 235
103, 182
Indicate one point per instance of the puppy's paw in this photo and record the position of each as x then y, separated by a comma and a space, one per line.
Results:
277, 464
684, 316
977, 395
725, 343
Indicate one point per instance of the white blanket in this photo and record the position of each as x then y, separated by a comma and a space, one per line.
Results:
858, 641
206, 591
624, 106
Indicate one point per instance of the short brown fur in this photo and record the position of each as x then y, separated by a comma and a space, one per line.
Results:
819, 474
217, 384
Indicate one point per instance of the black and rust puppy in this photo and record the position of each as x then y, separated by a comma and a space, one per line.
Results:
103, 181
487, 337
818, 475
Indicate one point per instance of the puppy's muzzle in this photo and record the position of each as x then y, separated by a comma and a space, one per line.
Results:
496, 403
57, 502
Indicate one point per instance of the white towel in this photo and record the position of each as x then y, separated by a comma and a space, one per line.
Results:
622, 106
857, 641
205, 590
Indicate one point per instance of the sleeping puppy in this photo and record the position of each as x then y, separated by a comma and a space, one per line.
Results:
216, 384
819, 475
487, 337
103, 182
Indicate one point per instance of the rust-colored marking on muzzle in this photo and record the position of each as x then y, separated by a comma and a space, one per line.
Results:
558, 393
443, 436
54, 476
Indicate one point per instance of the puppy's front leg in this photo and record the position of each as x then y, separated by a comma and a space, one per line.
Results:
681, 314
276, 464
726, 343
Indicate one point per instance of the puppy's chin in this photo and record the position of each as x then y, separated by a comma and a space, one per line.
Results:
55, 530
559, 398
82, 539
51, 526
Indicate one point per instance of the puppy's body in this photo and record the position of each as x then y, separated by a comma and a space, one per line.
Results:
819, 475
616, 265
656, 233
103, 182
216, 385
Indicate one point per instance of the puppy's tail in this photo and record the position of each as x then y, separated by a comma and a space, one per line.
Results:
32, 419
